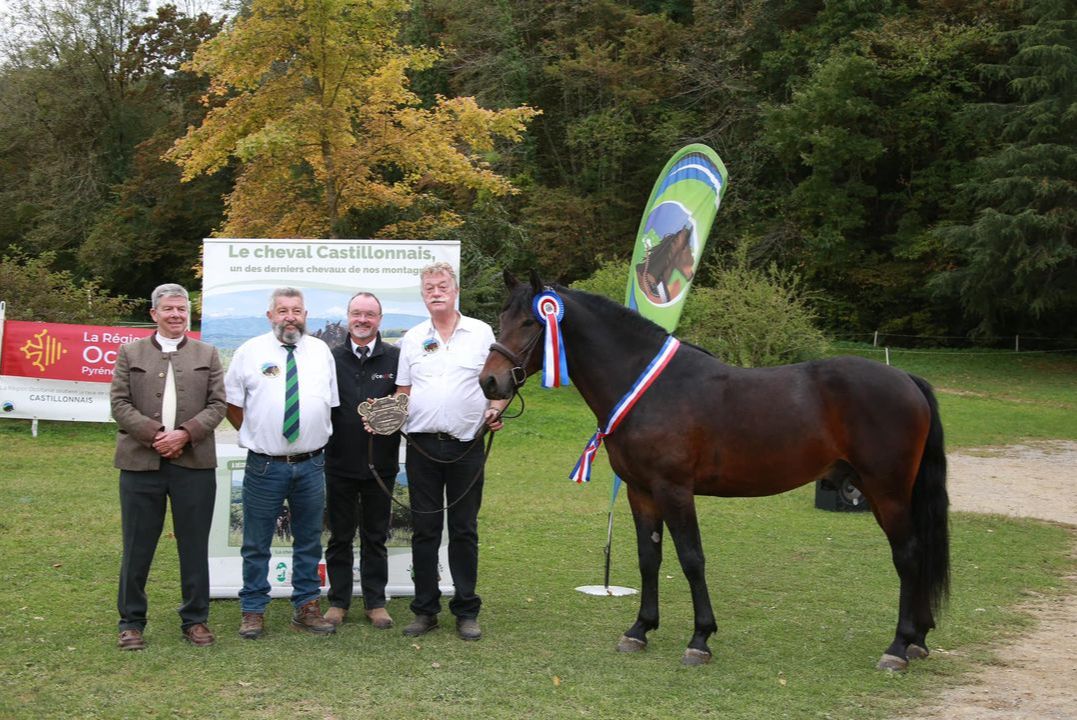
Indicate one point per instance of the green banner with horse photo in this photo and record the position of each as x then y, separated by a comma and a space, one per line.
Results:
676, 222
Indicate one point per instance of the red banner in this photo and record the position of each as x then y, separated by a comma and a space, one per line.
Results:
56, 351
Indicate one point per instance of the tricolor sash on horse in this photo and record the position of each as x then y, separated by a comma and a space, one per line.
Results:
582, 472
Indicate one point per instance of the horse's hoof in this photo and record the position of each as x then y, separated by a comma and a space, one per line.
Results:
630, 644
892, 663
695, 657
915, 652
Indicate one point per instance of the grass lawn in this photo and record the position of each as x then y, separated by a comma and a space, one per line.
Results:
806, 600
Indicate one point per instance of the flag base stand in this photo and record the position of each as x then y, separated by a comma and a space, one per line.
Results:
607, 590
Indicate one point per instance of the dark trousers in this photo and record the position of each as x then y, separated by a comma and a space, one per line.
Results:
432, 485
351, 504
143, 497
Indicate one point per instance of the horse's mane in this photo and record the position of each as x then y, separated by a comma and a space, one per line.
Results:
616, 315
630, 319
608, 312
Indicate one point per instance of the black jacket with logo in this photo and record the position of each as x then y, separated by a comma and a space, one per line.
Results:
374, 377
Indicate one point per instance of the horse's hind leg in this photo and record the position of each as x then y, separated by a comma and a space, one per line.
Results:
914, 607
649, 546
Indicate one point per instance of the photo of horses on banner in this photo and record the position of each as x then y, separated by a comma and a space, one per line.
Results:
733, 432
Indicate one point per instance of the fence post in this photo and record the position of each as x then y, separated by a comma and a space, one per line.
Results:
1017, 343
887, 355
875, 342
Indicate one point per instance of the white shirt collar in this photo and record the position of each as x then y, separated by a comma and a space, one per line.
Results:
168, 344
355, 348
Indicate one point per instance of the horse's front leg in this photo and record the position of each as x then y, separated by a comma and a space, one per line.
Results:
649, 546
679, 509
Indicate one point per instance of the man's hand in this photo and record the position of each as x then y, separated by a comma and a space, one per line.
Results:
169, 444
492, 417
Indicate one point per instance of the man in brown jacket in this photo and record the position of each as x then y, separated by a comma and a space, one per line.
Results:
167, 398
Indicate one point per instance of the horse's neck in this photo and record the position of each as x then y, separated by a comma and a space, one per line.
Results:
603, 361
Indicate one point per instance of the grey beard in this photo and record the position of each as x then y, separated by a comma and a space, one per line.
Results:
289, 337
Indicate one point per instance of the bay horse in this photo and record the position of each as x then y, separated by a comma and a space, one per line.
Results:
734, 432
673, 252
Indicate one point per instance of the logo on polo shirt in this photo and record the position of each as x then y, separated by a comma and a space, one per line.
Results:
270, 369
430, 345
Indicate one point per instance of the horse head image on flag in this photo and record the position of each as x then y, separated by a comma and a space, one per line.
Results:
672, 233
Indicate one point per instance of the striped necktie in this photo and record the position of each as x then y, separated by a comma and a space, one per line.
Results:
291, 397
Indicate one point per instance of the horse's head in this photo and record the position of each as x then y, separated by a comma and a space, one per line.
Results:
513, 357
681, 249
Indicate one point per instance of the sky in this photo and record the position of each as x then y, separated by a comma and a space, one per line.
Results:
213, 7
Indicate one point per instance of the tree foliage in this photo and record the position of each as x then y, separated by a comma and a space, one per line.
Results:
911, 163
743, 315
91, 93
1015, 248
70, 119
32, 290
318, 113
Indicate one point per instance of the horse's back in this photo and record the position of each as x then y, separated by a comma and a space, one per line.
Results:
761, 431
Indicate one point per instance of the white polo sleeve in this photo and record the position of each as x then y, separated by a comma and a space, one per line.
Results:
235, 388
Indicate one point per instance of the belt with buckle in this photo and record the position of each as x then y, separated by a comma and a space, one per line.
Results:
437, 435
291, 459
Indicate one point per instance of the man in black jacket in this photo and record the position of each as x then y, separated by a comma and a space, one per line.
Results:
366, 368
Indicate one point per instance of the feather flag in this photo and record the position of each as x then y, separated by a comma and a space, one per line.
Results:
673, 232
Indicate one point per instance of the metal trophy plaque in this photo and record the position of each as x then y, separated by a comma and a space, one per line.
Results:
386, 415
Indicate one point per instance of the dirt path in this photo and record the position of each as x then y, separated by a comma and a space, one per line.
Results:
1035, 678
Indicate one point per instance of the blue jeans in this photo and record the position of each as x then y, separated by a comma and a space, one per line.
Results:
266, 485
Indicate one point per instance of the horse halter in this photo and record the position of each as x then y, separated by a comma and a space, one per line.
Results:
518, 360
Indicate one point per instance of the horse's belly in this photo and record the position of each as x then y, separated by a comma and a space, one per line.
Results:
769, 474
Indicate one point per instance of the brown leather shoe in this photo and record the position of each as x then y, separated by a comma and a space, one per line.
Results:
335, 615
252, 626
379, 618
421, 625
199, 635
468, 629
131, 640
308, 617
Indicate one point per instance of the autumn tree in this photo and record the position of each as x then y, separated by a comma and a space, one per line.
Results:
320, 116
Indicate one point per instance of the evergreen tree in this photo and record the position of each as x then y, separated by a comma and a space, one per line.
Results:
1015, 253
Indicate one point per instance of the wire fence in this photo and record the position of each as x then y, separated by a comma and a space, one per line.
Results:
946, 344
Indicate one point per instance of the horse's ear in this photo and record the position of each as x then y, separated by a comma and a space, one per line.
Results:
536, 282
510, 280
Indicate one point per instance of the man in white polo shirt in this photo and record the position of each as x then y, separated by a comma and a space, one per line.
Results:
280, 388
440, 360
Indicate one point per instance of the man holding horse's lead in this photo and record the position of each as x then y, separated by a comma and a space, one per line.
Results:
440, 360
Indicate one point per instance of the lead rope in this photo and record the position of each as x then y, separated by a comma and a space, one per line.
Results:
417, 446
385, 488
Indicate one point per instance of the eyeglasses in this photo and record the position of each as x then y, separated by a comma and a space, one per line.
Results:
364, 315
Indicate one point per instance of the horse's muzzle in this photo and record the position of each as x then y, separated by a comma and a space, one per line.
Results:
493, 390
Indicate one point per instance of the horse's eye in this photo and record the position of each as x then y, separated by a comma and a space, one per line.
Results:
530, 322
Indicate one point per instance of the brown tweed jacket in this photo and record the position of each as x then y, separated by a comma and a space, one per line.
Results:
138, 382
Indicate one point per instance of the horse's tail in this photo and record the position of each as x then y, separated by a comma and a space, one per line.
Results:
930, 504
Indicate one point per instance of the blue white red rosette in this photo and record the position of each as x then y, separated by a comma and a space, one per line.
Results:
549, 308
